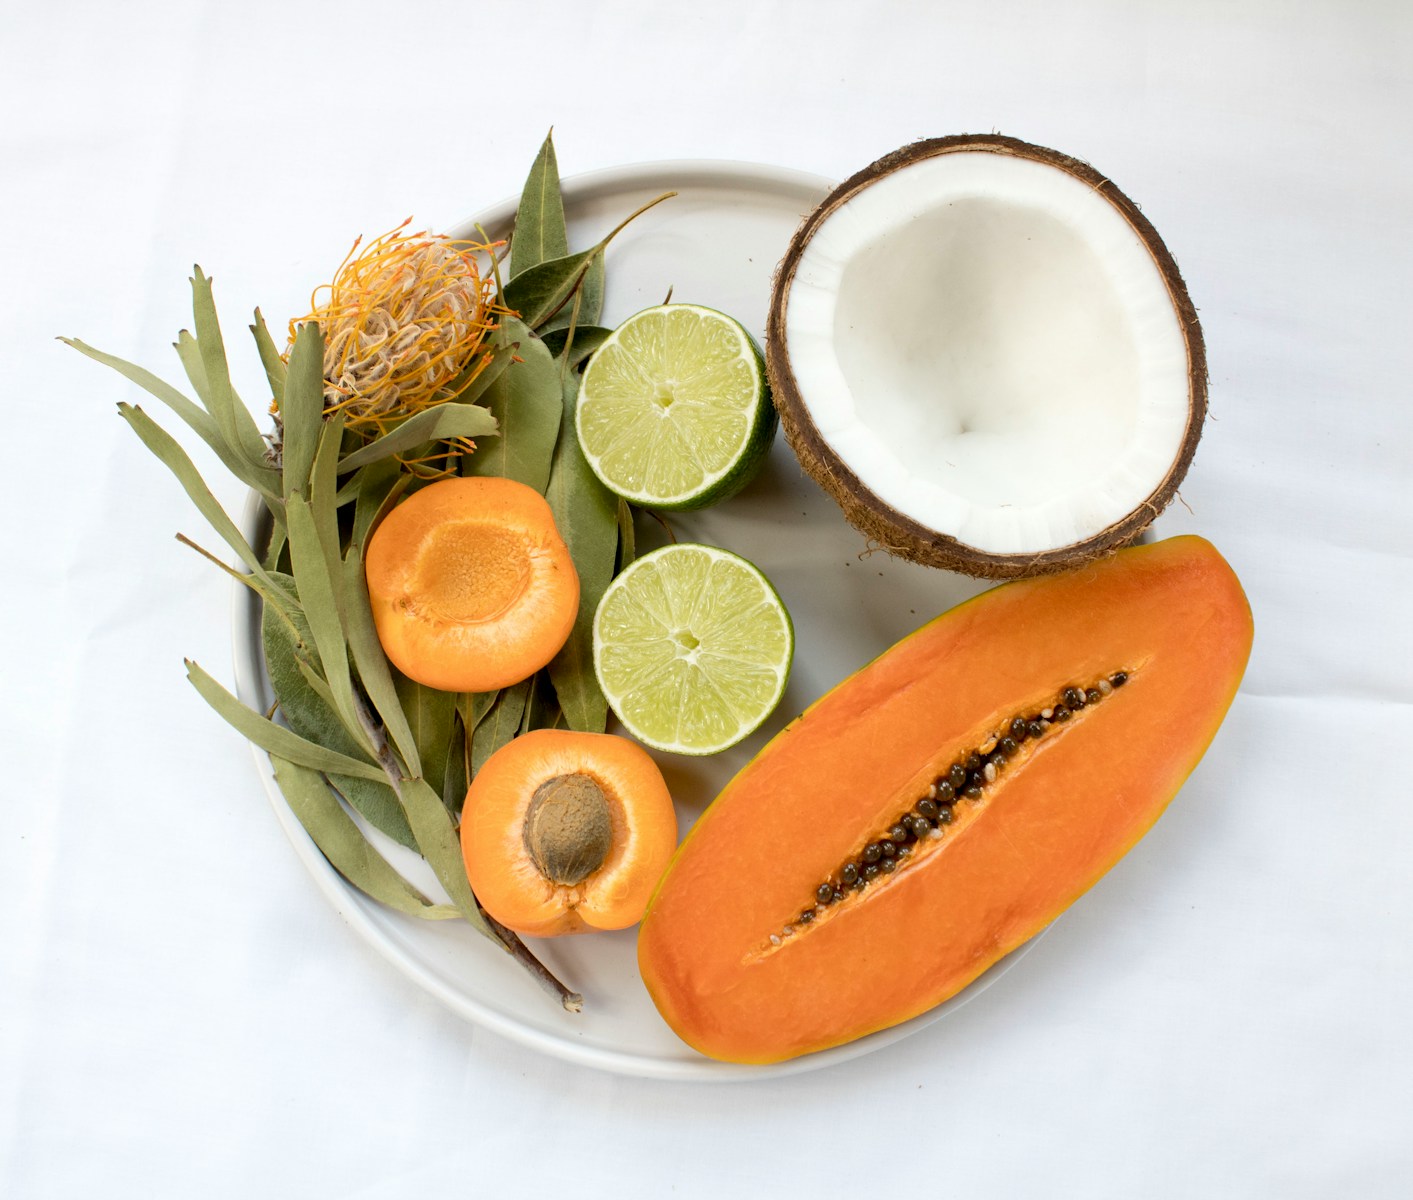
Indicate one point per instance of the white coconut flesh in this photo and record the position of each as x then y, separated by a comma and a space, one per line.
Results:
987, 344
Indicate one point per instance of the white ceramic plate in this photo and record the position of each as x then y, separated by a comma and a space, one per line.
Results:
716, 243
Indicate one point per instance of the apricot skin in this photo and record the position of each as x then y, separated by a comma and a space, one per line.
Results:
472, 587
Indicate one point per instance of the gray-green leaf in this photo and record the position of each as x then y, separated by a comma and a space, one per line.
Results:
431, 717
587, 339
276, 739
540, 232
341, 841
166, 448
437, 840
440, 422
527, 407
586, 513
308, 715
500, 724
275, 370
302, 414
233, 419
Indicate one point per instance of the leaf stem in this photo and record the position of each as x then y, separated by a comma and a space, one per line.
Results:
572, 1001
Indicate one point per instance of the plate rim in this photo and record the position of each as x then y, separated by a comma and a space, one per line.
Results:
251, 686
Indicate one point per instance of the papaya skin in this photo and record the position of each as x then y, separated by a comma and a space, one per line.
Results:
1171, 615
510, 856
471, 586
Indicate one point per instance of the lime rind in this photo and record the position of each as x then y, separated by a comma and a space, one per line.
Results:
692, 648
674, 410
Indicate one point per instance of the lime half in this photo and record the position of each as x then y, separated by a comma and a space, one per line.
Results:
674, 411
692, 647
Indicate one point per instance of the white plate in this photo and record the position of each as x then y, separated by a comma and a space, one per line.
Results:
716, 243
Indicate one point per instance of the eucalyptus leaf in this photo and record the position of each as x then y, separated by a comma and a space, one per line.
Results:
233, 419
166, 448
302, 414
442, 421
540, 232
587, 339
437, 840
455, 772
320, 594
592, 290
375, 503
372, 663
586, 514
542, 710
500, 724
539, 293
372, 478
275, 369
627, 535
314, 719
341, 841
323, 499
472, 707
276, 739
527, 407
263, 478
431, 716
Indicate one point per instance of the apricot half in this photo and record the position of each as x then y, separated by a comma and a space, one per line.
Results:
472, 587
567, 832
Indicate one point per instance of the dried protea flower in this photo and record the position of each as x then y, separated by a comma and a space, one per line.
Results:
405, 324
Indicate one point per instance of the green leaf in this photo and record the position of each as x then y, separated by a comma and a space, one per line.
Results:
308, 715
302, 414
440, 422
472, 707
431, 715
166, 448
499, 725
527, 407
540, 232
627, 535
275, 370
542, 709
454, 773
321, 595
263, 478
341, 841
233, 419
586, 514
587, 339
540, 292
190, 354
323, 498
436, 838
372, 663
592, 290
276, 739
376, 501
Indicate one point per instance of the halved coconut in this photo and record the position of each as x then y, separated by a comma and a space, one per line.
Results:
985, 353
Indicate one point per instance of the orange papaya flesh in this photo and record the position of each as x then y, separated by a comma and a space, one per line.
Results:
722, 949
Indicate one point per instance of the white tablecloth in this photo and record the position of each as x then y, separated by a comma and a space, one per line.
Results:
182, 1014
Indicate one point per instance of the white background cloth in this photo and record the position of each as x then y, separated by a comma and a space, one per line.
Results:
181, 1013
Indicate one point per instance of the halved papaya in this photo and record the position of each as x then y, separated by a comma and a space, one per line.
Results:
944, 804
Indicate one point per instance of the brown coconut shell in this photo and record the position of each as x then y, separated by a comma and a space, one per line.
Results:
895, 531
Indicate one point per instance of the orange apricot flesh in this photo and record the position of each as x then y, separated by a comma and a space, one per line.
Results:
471, 585
498, 833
